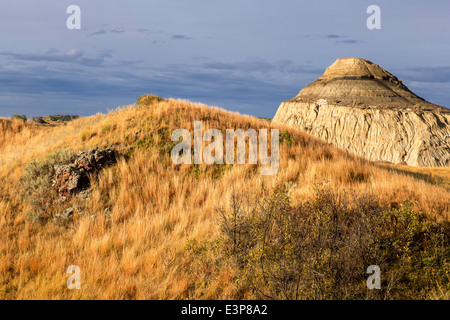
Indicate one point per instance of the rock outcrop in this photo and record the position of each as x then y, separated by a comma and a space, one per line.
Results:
70, 179
359, 106
74, 177
52, 119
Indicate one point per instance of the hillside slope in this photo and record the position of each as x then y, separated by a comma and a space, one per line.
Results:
144, 231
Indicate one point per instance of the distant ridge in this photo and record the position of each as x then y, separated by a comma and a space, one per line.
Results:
51, 119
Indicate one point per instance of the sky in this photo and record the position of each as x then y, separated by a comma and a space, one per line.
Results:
242, 55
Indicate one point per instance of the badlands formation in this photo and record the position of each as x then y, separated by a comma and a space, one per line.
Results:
359, 106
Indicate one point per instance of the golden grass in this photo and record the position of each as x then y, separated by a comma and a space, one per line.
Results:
439, 176
159, 211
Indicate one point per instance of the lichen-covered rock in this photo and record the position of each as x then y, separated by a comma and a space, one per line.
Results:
69, 179
74, 178
51, 119
36, 120
95, 159
358, 106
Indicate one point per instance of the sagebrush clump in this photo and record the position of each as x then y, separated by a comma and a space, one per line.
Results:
321, 248
37, 184
147, 99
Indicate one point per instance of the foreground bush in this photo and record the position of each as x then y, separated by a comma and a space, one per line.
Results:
320, 249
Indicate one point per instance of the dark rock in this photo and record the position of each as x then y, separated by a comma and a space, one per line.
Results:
85, 160
95, 159
60, 117
70, 179
36, 120
74, 178
51, 119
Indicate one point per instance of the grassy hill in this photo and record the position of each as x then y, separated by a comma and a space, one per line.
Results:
150, 229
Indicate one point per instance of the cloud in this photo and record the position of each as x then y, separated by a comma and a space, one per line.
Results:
96, 33
104, 31
238, 91
117, 31
261, 66
327, 36
180, 37
53, 55
289, 66
434, 92
93, 90
247, 66
426, 74
350, 41
334, 36
254, 86
158, 41
47, 55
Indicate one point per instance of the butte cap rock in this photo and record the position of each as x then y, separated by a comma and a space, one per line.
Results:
358, 106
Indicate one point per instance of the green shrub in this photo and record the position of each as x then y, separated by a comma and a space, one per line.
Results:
107, 128
37, 184
20, 117
147, 99
285, 137
159, 140
62, 117
87, 134
320, 249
